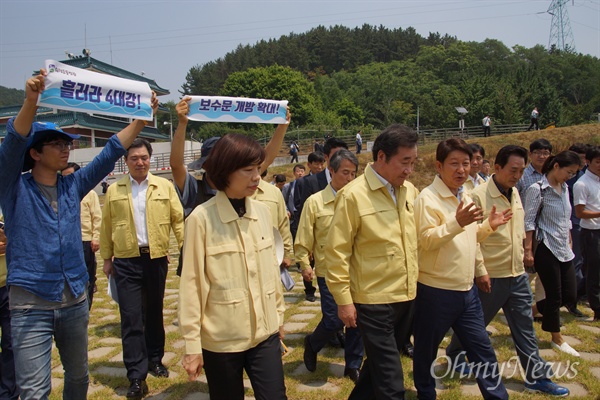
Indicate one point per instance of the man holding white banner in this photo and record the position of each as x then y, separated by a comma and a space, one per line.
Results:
47, 275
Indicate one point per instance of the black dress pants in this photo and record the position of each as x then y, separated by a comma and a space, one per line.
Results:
141, 289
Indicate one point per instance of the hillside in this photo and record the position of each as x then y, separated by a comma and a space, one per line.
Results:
561, 139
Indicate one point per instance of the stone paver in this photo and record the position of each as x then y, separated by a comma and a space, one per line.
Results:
100, 352
592, 329
308, 387
294, 326
118, 358
596, 372
110, 340
302, 317
111, 371
594, 357
573, 341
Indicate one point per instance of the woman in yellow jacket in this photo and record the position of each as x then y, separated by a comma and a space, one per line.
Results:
230, 297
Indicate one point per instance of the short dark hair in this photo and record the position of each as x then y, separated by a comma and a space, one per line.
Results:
579, 148
280, 178
299, 166
485, 162
232, 152
392, 138
592, 152
336, 159
333, 143
447, 146
73, 165
477, 148
540, 144
563, 159
140, 142
316, 156
510, 150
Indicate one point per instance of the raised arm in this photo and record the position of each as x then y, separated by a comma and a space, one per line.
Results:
177, 146
275, 143
130, 132
24, 119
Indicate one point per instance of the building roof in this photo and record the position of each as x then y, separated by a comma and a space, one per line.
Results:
92, 64
67, 119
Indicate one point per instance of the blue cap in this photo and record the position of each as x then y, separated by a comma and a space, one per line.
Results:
39, 131
207, 146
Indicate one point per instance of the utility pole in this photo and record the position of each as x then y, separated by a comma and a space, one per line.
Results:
561, 35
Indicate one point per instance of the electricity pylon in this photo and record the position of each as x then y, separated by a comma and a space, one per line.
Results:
561, 35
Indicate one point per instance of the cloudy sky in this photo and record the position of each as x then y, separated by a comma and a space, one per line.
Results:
164, 39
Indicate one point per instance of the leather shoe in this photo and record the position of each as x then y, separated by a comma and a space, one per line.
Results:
575, 312
158, 370
137, 389
352, 373
310, 357
408, 350
311, 297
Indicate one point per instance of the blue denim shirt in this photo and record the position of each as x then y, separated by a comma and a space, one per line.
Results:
44, 248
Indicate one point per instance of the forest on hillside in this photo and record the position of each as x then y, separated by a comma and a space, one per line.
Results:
343, 78
11, 97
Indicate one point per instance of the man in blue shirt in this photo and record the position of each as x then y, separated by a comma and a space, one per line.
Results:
47, 276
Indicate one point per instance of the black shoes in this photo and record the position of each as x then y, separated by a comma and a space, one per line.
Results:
352, 373
310, 357
311, 297
574, 311
158, 370
408, 350
137, 389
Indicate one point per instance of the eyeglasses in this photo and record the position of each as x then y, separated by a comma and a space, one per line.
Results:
62, 146
541, 153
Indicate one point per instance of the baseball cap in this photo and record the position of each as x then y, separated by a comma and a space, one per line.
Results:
206, 148
40, 131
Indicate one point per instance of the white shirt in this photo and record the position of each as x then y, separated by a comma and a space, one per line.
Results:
138, 196
328, 175
387, 185
586, 191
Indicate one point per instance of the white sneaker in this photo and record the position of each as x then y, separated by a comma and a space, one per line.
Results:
565, 348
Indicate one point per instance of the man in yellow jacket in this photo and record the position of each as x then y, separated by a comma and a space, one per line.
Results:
371, 260
139, 212
91, 219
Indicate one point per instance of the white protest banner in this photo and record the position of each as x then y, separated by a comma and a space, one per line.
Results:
76, 89
237, 109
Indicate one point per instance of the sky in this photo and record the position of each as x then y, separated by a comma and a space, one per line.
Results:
164, 39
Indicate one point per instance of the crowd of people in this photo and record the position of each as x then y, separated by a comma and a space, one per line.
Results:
391, 262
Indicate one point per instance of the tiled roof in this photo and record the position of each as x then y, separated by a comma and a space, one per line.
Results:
69, 118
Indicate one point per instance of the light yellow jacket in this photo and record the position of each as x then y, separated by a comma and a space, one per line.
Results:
502, 250
118, 236
272, 197
371, 251
230, 293
91, 217
311, 237
469, 186
449, 255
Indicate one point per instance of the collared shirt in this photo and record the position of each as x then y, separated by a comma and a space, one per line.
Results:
554, 223
44, 250
194, 191
387, 185
91, 217
371, 252
586, 191
313, 227
449, 255
503, 249
138, 200
231, 297
472, 183
328, 175
272, 197
530, 176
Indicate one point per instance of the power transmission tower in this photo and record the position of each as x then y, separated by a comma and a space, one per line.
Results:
561, 35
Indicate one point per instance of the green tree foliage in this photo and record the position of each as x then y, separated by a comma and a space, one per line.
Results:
11, 97
349, 77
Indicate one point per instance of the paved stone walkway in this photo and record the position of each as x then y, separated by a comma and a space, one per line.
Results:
108, 374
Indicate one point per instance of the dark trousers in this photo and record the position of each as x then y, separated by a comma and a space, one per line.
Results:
383, 329
8, 384
330, 324
534, 122
294, 157
141, 289
486, 131
591, 251
578, 261
224, 372
90, 262
513, 296
438, 310
559, 283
